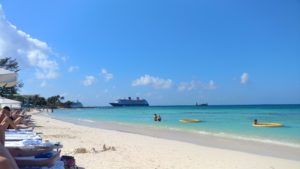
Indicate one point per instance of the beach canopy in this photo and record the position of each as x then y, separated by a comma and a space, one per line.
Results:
10, 103
7, 78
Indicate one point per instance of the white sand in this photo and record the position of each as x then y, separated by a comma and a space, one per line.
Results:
135, 151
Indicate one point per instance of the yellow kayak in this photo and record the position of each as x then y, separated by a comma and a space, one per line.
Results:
190, 120
267, 125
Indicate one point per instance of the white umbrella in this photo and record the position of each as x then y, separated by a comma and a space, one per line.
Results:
7, 78
10, 103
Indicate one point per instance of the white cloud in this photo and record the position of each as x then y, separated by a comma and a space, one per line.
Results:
89, 80
193, 85
244, 78
183, 86
28, 51
107, 76
152, 81
43, 84
73, 69
211, 85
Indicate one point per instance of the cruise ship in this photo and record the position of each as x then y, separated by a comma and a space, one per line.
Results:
130, 102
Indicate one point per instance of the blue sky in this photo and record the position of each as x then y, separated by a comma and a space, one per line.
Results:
169, 52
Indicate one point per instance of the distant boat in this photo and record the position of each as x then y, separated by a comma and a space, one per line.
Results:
130, 102
201, 104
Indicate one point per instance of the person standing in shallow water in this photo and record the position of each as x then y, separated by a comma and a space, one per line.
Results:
155, 117
159, 118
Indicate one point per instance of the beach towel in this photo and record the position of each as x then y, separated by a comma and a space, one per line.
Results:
15, 136
33, 144
20, 137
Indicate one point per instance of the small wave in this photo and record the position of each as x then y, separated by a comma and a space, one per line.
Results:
86, 120
233, 136
262, 140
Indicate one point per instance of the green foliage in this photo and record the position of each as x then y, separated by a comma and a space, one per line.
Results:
54, 101
67, 104
10, 64
40, 102
29, 101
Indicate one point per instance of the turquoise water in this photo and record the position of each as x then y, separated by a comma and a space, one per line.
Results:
227, 121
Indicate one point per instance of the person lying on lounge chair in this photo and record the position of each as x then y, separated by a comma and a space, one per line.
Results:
7, 120
7, 154
13, 115
10, 124
19, 113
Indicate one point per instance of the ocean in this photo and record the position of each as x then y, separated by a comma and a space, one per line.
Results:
224, 121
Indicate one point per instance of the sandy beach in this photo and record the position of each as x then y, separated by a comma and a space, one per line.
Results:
96, 148
150, 84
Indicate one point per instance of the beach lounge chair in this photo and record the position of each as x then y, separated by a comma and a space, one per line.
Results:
34, 145
57, 165
26, 152
19, 130
34, 162
17, 136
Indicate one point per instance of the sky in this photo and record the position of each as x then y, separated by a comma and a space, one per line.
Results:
170, 52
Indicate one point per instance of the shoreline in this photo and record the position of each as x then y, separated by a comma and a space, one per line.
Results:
215, 121
119, 126
214, 141
138, 151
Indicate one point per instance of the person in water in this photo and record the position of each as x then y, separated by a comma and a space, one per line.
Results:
155, 117
255, 121
159, 118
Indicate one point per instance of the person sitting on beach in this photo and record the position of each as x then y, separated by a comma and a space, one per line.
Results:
159, 118
155, 117
255, 121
